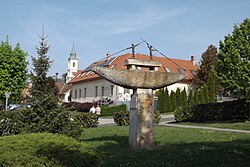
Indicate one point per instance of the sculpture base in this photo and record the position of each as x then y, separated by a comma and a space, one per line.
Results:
141, 124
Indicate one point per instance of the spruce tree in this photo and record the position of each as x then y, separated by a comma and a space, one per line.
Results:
43, 98
184, 98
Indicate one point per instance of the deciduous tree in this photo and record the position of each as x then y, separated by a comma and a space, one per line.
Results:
233, 69
13, 70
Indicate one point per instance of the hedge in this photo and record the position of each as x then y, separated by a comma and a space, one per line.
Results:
45, 149
110, 110
62, 122
122, 118
225, 111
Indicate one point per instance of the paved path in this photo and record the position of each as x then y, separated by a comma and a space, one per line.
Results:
165, 121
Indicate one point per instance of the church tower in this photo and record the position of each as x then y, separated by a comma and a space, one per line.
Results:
72, 64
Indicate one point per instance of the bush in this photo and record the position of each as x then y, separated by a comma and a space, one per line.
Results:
157, 117
122, 118
86, 120
64, 123
109, 111
56, 121
183, 114
45, 149
226, 111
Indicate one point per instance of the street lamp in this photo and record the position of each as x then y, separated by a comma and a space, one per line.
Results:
7, 95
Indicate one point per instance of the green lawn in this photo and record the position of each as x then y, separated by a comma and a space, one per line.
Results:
226, 125
108, 147
174, 147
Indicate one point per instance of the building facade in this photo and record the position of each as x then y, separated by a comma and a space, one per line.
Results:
89, 87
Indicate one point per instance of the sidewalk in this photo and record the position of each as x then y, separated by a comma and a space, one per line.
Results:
165, 121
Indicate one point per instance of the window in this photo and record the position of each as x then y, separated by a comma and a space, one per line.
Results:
80, 93
193, 72
85, 92
96, 91
75, 94
102, 90
74, 64
181, 70
112, 90
167, 69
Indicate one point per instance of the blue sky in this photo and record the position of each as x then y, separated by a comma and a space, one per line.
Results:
177, 28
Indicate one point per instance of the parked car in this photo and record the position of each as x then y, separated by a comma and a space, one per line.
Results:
17, 106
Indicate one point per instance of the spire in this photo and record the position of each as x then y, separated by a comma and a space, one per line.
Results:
73, 52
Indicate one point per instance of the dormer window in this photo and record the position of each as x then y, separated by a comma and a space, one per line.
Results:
193, 72
181, 71
167, 69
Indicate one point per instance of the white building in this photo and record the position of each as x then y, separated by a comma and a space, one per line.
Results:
89, 87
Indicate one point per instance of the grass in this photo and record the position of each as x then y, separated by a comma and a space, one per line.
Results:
226, 125
174, 147
108, 146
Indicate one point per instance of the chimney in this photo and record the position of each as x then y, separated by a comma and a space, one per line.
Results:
108, 56
193, 60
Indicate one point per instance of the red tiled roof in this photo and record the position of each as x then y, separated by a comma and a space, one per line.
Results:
63, 87
118, 63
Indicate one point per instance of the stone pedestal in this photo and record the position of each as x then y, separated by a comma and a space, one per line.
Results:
141, 124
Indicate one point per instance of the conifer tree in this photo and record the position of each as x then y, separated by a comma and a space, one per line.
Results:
184, 98
196, 98
168, 101
178, 97
43, 99
205, 93
160, 105
190, 98
201, 96
211, 88
173, 100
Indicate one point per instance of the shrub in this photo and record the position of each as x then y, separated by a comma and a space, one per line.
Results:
45, 149
86, 120
56, 121
157, 117
121, 118
226, 111
64, 123
109, 111
183, 114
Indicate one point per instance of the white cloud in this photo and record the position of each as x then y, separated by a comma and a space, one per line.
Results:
119, 24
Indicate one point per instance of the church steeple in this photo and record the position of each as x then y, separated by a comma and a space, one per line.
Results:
72, 64
73, 52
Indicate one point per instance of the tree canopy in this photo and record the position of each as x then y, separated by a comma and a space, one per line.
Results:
208, 61
43, 96
233, 69
13, 70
